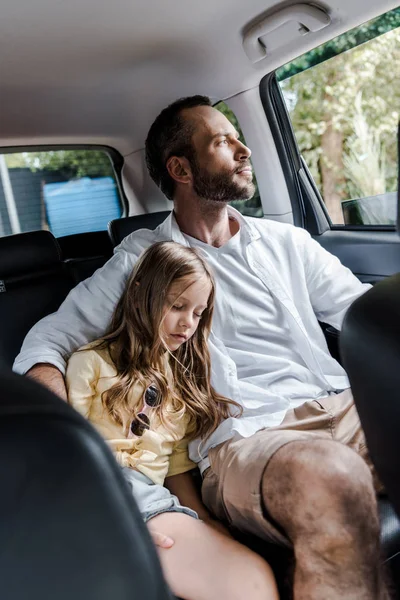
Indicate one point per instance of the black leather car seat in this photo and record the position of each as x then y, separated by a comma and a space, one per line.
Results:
84, 253
120, 228
370, 349
69, 527
33, 283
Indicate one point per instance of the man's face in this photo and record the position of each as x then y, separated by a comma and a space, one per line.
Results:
221, 166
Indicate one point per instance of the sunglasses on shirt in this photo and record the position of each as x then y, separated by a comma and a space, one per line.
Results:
151, 399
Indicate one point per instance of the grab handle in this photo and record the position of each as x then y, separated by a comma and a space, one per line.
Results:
309, 18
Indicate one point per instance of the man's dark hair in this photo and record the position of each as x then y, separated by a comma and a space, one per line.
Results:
171, 135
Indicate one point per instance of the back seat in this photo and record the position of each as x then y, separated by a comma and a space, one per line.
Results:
120, 228
84, 253
37, 272
33, 283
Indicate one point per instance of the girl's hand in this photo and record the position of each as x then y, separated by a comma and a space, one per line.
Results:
160, 539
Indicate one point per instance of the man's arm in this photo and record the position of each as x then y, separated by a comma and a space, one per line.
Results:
332, 286
50, 377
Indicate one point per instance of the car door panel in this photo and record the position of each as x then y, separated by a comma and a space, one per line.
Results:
371, 255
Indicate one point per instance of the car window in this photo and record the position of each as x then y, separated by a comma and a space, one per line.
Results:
64, 191
343, 99
252, 207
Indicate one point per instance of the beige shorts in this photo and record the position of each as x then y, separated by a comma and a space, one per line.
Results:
232, 485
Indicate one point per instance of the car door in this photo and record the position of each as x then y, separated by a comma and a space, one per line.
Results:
334, 115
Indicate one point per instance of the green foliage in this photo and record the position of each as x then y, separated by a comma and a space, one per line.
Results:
365, 158
356, 95
342, 43
68, 163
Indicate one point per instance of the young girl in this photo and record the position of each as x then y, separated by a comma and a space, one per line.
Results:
146, 387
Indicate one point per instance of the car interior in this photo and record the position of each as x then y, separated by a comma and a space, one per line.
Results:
312, 88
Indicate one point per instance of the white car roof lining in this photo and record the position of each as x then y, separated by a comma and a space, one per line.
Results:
84, 72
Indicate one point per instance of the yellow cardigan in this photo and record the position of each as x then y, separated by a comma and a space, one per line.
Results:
158, 452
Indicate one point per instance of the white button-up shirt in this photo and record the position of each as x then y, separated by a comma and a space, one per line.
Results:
254, 329
301, 284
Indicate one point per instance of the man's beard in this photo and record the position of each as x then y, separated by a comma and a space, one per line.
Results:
219, 187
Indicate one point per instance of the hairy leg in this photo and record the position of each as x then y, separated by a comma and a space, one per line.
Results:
321, 493
204, 564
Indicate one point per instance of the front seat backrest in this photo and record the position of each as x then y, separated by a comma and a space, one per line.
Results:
370, 348
120, 228
33, 283
69, 526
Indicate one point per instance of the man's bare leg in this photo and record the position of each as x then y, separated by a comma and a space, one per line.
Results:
50, 377
321, 493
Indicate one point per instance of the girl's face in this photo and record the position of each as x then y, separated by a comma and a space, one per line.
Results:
188, 301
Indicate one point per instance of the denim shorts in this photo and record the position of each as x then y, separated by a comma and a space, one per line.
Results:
151, 498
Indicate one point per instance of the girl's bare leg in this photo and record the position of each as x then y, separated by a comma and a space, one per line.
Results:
204, 564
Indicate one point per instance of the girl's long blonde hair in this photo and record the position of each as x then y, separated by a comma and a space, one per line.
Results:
134, 341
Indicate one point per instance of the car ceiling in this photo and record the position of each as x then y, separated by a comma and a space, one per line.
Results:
82, 70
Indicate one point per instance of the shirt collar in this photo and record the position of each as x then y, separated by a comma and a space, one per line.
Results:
170, 229
247, 228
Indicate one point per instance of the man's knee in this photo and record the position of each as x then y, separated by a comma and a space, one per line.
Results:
306, 482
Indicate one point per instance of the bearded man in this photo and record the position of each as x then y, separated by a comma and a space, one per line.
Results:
294, 468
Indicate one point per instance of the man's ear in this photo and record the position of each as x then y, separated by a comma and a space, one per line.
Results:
179, 169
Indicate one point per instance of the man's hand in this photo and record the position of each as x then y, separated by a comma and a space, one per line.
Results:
50, 377
160, 539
